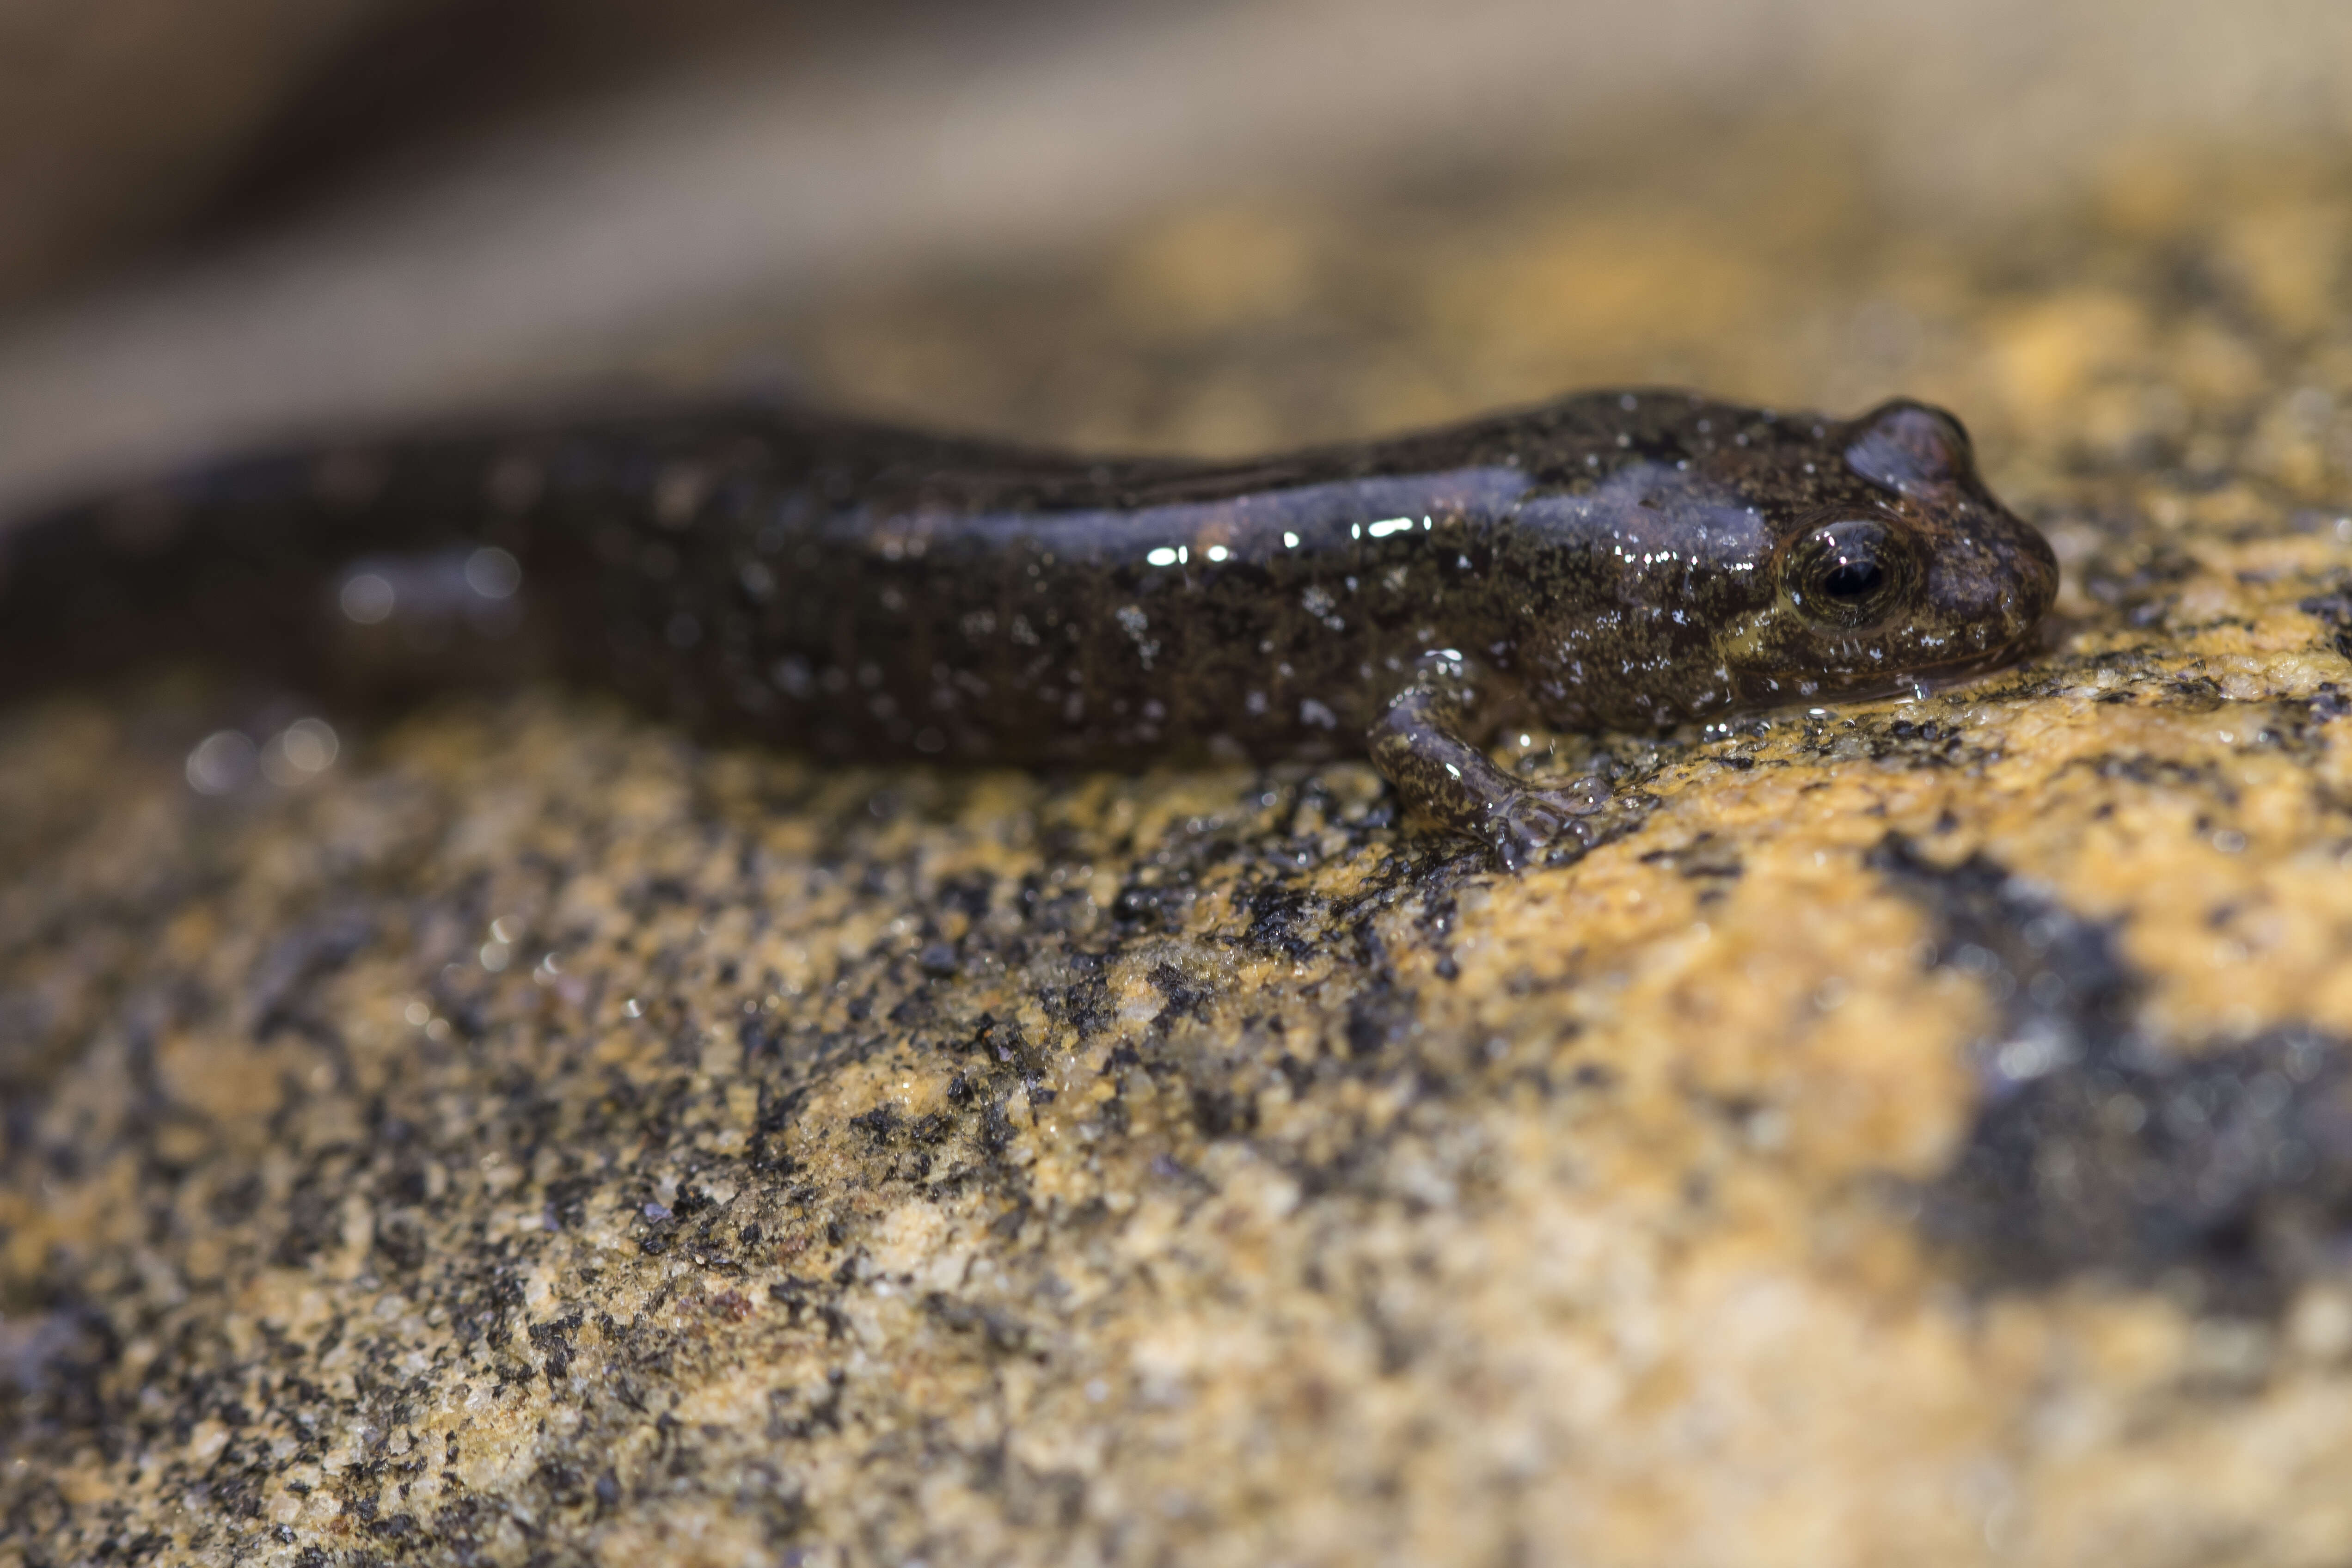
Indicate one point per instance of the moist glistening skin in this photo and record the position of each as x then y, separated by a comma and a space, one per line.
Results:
1612, 560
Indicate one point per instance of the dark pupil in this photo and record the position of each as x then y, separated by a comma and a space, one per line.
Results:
1853, 580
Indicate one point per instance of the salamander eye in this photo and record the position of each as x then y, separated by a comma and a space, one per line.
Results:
1851, 581
1848, 574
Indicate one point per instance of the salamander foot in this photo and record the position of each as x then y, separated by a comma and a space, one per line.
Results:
1531, 826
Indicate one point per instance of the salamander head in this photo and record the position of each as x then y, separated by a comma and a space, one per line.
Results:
1897, 566
1737, 561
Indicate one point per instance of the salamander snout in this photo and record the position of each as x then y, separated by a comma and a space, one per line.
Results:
1992, 577
1971, 579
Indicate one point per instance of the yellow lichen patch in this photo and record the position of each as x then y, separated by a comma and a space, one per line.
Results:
1214, 270
1782, 995
2291, 256
1606, 285
2214, 856
2050, 351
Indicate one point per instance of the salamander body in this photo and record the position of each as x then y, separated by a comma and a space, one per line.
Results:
1610, 560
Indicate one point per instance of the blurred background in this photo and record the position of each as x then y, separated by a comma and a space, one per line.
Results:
218, 223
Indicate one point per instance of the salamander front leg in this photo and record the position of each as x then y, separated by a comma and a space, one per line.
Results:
1419, 746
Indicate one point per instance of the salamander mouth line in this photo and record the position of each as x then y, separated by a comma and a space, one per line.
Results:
1919, 684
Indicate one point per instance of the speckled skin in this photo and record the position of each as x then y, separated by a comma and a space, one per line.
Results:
1611, 560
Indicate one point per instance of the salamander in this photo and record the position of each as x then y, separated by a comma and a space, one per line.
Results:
1612, 560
